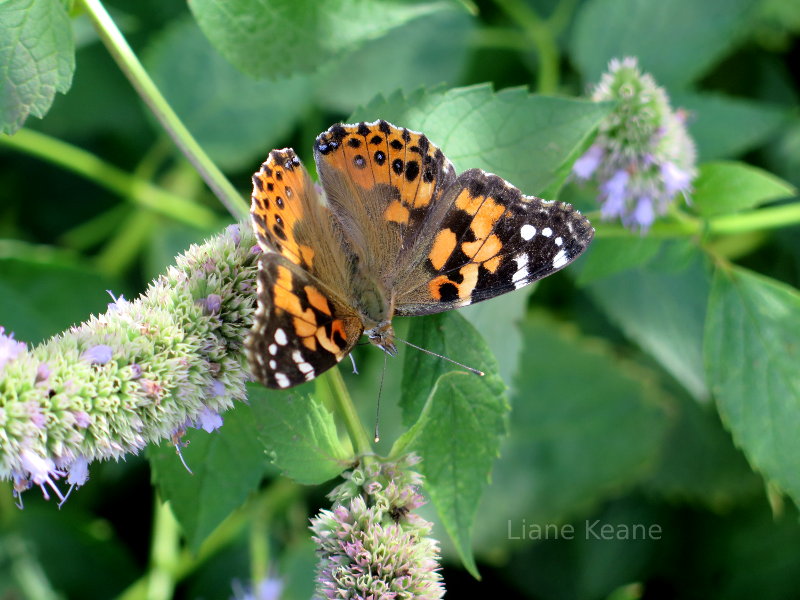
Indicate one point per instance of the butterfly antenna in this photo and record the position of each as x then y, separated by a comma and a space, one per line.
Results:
377, 437
432, 353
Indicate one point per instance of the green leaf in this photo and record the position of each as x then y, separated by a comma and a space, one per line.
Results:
300, 435
458, 437
752, 357
40, 297
226, 465
460, 420
424, 52
662, 307
37, 58
236, 118
701, 464
282, 37
529, 140
677, 41
608, 256
585, 425
726, 187
725, 127
450, 335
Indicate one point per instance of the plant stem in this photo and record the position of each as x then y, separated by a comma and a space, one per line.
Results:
333, 384
164, 553
542, 38
139, 191
134, 71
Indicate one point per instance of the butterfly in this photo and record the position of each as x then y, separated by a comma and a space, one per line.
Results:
390, 230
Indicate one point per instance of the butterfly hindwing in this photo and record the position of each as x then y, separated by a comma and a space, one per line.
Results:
492, 240
299, 330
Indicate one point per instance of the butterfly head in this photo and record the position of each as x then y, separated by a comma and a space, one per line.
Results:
382, 335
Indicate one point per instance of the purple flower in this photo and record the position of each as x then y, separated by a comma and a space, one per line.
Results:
41, 471
42, 373
209, 420
78, 472
643, 155
9, 348
588, 163
98, 355
233, 231
212, 304
117, 303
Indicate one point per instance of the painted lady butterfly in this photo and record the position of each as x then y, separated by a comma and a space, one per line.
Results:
391, 231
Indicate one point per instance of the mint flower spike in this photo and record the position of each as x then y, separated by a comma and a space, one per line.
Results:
371, 544
143, 371
643, 156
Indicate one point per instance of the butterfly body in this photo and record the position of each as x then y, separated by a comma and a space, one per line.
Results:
393, 230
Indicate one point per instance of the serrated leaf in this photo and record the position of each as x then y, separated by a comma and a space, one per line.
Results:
283, 37
529, 140
236, 118
226, 465
458, 437
725, 127
423, 52
608, 256
37, 58
752, 357
676, 41
584, 426
300, 434
726, 187
450, 335
662, 307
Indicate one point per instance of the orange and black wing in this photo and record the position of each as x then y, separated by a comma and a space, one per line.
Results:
492, 240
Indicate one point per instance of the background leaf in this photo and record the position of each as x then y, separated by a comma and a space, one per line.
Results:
676, 41
37, 58
662, 307
585, 425
236, 118
528, 140
726, 187
751, 356
226, 465
285, 37
300, 435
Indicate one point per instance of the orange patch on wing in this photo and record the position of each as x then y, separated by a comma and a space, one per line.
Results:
486, 218
492, 264
310, 342
328, 342
468, 203
442, 248
466, 287
307, 253
396, 213
436, 283
483, 250
317, 300
304, 328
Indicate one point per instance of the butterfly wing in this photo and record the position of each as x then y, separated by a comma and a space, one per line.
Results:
303, 326
382, 183
299, 330
491, 240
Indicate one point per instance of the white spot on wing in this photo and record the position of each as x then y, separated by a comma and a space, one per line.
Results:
282, 380
547, 232
273, 365
559, 240
280, 336
273, 349
521, 273
560, 259
527, 231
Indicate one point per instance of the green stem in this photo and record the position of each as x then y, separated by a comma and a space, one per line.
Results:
760, 219
334, 386
139, 191
539, 33
133, 69
164, 553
